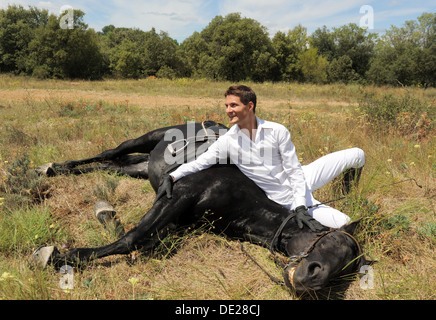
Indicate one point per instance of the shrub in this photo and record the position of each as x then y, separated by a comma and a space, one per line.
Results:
22, 185
427, 230
405, 115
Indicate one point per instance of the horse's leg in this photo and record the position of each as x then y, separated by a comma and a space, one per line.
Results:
153, 227
106, 215
144, 144
69, 164
61, 169
135, 166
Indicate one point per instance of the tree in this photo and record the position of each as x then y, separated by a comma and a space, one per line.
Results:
127, 61
352, 43
17, 28
229, 48
289, 48
133, 53
196, 54
162, 56
313, 66
406, 55
64, 53
341, 70
232, 48
357, 44
323, 41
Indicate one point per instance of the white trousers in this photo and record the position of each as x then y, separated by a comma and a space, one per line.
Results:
322, 171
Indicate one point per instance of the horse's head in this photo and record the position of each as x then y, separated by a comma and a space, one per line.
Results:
330, 255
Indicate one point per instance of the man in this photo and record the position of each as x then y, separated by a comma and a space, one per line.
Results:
264, 152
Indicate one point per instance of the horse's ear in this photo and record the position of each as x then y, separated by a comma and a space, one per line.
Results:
349, 228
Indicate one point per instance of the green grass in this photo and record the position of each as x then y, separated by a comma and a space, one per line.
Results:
51, 120
27, 228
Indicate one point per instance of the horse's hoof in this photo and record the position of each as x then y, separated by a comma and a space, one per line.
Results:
46, 170
104, 212
42, 255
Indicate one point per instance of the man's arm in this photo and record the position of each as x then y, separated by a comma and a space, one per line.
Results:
204, 161
292, 167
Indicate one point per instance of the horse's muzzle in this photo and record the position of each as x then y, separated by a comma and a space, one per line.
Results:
305, 276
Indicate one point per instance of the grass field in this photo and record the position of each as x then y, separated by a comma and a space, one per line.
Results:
52, 120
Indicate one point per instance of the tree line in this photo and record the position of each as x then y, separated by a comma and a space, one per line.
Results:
233, 48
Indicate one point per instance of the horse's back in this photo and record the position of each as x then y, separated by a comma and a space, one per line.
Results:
180, 144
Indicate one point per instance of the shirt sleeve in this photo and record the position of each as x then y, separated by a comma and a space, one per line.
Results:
204, 161
292, 167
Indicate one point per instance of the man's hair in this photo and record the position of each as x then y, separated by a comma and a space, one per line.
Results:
246, 94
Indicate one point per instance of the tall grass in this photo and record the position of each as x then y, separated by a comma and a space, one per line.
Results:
398, 217
28, 228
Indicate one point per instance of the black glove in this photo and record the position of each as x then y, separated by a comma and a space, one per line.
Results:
165, 188
302, 217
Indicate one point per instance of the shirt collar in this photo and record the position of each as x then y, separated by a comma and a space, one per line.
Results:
261, 124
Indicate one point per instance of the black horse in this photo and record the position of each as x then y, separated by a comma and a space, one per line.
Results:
240, 209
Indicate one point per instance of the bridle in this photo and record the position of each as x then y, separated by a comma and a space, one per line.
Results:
294, 260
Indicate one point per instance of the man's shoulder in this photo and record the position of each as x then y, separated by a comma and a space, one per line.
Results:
272, 125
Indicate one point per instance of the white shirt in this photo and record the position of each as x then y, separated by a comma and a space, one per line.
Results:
270, 161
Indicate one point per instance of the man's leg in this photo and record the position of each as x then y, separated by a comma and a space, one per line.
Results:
329, 216
322, 171
325, 169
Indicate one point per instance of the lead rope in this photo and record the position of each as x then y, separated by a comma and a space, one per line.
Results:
310, 247
274, 279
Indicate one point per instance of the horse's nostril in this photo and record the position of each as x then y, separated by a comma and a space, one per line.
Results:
313, 269
306, 276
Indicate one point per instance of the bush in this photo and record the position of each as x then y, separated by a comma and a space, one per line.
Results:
427, 230
23, 186
405, 114
166, 72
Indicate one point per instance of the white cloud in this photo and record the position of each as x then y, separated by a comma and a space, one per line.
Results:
166, 15
180, 18
286, 14
46, 4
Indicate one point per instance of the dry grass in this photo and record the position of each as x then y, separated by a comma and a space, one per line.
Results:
60, 120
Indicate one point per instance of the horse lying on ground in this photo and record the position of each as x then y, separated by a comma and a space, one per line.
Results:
240, 209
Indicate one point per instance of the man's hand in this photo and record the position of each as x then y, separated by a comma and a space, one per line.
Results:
303, 218
165, 188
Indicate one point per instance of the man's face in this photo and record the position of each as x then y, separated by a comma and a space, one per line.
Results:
237, 111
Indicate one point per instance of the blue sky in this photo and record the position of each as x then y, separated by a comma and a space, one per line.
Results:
182, 18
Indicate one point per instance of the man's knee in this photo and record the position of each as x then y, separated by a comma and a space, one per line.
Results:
329, 217
356, 157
